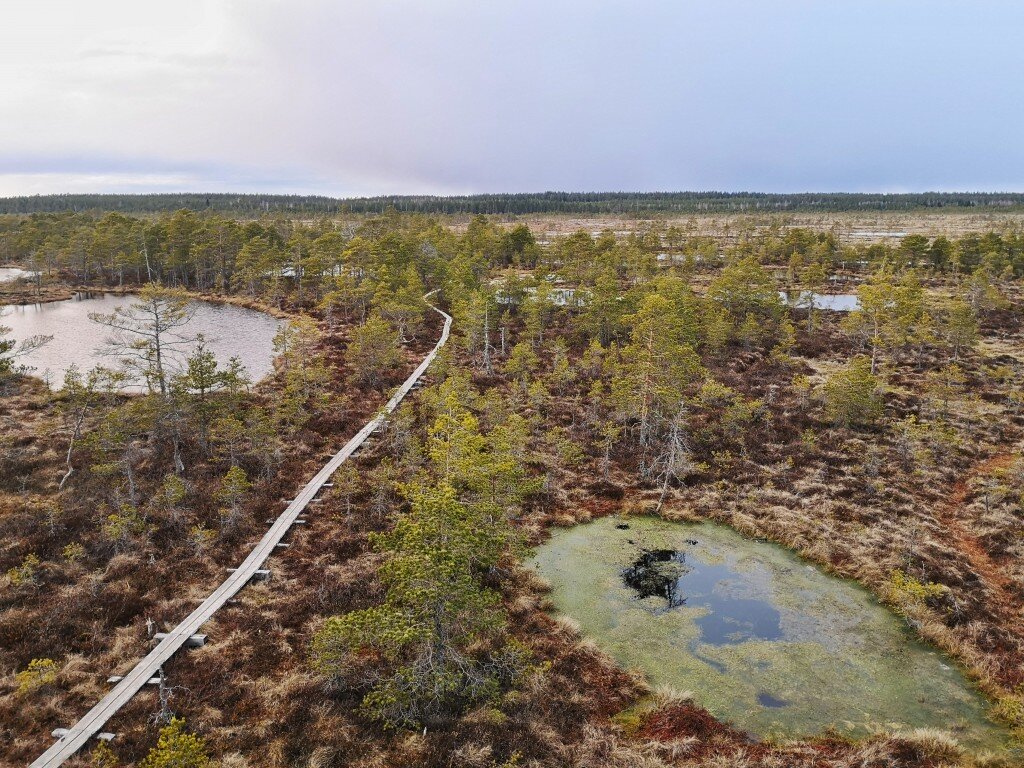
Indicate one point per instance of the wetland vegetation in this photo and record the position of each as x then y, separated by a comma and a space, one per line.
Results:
682, 397
227, 331
764, 640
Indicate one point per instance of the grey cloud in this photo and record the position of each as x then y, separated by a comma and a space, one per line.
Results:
457, 96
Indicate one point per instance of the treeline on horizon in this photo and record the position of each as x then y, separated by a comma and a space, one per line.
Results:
624, 203
232, 254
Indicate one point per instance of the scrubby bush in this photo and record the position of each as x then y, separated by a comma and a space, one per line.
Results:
26, 573
906, 590
40, 672
177, 748
852, 395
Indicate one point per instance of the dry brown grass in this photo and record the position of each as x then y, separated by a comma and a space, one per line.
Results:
728, 227
90, 615
251, 695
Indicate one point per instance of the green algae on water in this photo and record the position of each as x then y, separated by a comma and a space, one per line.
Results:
763, 639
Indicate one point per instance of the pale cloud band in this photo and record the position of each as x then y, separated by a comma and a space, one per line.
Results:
453, 96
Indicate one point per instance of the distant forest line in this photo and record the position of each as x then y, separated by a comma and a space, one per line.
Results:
620, 203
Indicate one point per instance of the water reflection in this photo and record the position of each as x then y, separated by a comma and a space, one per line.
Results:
765, 640
835, 302
767, 700
666, 575
10, 274
229, 331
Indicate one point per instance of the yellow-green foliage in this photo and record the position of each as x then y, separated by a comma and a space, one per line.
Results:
632, 718
177, 749
522, 362
73, 552
122, 525
200, 537
852, 394
233, 488
1010, 709
514, 761
39, 672
24, 573
906, 590
437, 642
103, 757
569, 452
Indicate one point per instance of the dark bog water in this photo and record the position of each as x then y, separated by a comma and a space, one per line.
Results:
767, 700
664, 573
763, 639
229, 331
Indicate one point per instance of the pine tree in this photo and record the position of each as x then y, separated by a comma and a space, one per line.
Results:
11, 350
959, 328
852, 395
891, 309
202, 380
745, 289
656, 367
81, 396
374, 351
176, 748
434, 614
304, 371
403, 306
812, 280
233, 488
522, 362
148, 334
603, 310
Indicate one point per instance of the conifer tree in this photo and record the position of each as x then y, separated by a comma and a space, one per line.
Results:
852, 395
656, 367
11, 350
374, 350
177, 748
148, 334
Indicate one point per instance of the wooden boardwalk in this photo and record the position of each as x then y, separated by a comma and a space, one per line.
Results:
93, 720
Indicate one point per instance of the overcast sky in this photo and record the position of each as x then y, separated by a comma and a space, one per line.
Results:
462, 96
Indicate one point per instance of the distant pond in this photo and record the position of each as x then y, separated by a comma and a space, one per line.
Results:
836, 302
763, 639
229, 331
10, 274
